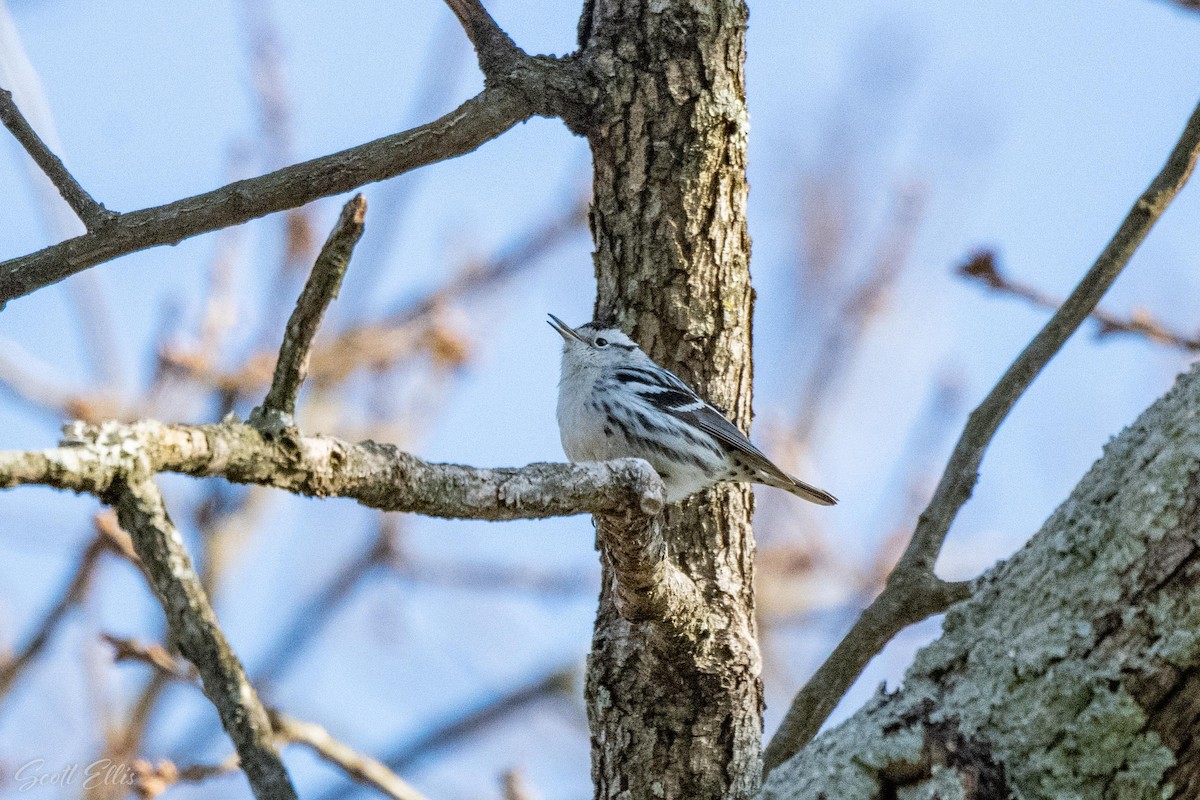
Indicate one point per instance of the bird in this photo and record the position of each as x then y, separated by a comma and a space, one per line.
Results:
615, 402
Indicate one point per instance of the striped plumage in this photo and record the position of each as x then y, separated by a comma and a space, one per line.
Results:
614, 402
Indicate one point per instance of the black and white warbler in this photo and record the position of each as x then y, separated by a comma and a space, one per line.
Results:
614, 402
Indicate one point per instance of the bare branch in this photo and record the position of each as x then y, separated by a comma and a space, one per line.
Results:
195, 631
398, 336
982, 267
287, 730
913, 592
495, 49
376, 475
151, 780
480, 119
558, 682
360, 768
319, 291
88, 210
12, 668
154, 655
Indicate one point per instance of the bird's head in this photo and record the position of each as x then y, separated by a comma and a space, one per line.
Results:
595, 344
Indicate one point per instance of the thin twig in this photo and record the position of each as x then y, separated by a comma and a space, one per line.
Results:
556, 683
320, 290
913, 592
93, 214
154, 655
287, 730
401, 334
72, 593
982, 267
195, 631
151, 780
358, 767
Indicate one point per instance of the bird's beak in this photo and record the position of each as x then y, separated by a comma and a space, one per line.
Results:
564, 330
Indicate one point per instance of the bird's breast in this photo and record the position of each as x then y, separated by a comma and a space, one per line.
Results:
581, 420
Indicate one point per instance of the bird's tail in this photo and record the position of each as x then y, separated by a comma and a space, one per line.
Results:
805, 491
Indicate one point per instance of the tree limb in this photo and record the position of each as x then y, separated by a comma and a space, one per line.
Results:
1072, 671
649, 587
478, 120
981, 267
379, 476
319, 291
913, 590
92, 214
195, 631
287, 730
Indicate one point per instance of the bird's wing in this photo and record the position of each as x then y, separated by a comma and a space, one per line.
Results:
667, 393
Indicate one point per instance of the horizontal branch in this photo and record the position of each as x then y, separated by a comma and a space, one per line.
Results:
480, 119
376, 475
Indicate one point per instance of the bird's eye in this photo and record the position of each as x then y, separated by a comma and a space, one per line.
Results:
601, 341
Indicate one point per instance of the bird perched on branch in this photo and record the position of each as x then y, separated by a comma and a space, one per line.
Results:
614, 402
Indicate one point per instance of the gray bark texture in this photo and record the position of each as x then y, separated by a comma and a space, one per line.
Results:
1074, 670
674, 698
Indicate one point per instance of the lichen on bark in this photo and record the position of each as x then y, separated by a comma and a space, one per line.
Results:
1072, 671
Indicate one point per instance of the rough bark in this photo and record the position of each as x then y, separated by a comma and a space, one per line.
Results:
676, 705
197, 634
1072, 672
381, 476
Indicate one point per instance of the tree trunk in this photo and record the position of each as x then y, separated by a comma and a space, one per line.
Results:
674, 717
1074, 671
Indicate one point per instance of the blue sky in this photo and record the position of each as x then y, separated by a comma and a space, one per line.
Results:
1031, 127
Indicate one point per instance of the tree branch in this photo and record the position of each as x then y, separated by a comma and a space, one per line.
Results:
913, 592
981, 267
93, 214
649, 586
194, 630
495, 48
319, 291
287, 730
360, 768
1072, 670
379, 476
478, 120
74, 591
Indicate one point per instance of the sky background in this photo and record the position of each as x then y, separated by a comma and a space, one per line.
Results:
1026, 127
